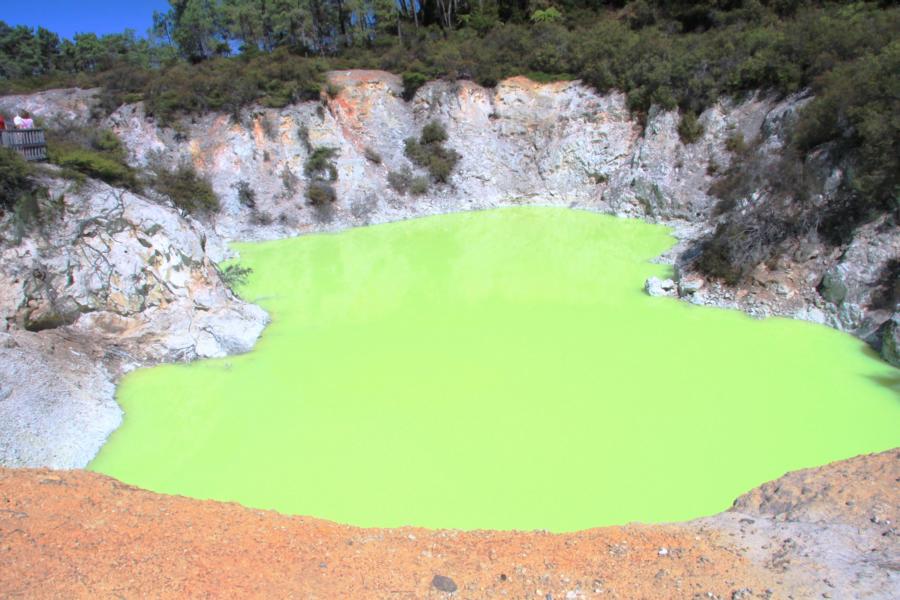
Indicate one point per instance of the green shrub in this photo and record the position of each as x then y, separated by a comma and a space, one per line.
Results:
98, 166
245, 193
91, 152
433, 133
418, 186
189, 192
372, 156
735, 143
542, 77
303, 135
855, 110
412, 81
689, 128
429, 152
15, 178
28, 202
235, 275
320, 193
400, 180
415, 151
441, 163
320, 165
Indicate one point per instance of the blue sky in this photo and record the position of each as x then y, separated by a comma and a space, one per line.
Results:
82, 16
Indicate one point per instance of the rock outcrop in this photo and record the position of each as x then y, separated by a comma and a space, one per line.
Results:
520, 142
111, 281
57, 403
117, 265
51, 107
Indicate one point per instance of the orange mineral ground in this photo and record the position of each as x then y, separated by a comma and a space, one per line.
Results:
826, 532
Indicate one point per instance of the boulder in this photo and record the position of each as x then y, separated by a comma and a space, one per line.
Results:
660, 287
890, 340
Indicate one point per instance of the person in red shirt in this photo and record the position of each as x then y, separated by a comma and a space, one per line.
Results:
2, 123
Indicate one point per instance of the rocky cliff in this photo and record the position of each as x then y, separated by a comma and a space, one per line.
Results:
137, 279
107, 282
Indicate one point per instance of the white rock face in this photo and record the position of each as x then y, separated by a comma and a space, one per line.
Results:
120, 266
72, 105
113, 281
57, 403
558, 143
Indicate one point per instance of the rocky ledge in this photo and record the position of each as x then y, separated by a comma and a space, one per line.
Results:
112, 281
821, 533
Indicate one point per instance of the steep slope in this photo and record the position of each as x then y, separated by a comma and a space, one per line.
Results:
110, 282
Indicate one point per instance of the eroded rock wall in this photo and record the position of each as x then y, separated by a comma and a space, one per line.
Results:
116, 264
557, 143
107, 282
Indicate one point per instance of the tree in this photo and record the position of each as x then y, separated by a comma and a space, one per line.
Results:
550, 15
194, 26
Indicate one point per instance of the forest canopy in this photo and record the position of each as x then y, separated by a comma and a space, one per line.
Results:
223, 55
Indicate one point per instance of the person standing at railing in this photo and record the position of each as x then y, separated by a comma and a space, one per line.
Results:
2, 123
24, 121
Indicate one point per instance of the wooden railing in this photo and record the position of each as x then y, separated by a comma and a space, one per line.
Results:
29, 143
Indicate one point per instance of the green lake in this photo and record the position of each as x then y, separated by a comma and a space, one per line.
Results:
499, 369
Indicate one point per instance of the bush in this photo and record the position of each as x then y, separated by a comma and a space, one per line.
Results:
401, 180
412, 81
689, 128
740, 244
433, 133
320, 166
91, 152
320, 193
855, 111
28, 202
189, 192
97, 166
735, 144
235, 275
275, 79
372, 156
303, 135
15, 178
245, 193
418, 186
429, 153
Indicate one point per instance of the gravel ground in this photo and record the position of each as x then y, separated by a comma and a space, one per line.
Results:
824, 532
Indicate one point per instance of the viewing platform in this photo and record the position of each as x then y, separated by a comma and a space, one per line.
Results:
30, 143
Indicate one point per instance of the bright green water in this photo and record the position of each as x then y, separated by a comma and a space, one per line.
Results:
499, 369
